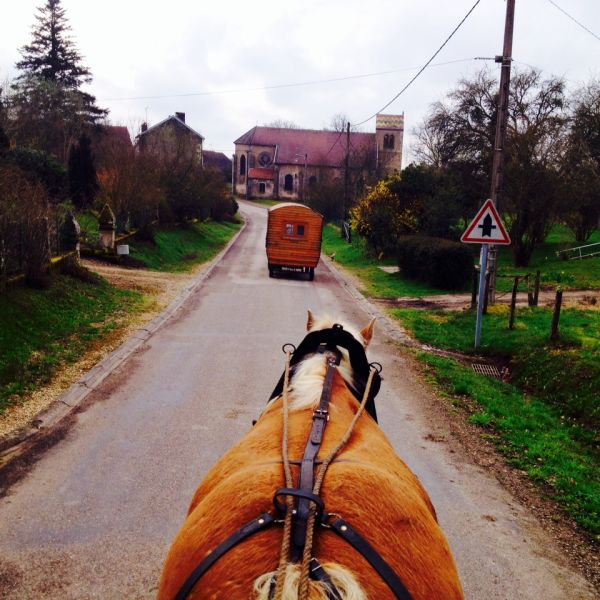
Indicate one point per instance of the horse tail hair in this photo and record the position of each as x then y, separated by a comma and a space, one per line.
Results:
345, 582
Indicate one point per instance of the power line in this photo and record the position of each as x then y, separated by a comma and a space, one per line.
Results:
423, 67
562, 10
283, 85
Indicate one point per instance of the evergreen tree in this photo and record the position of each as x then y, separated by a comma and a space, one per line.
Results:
83, 182
52, 57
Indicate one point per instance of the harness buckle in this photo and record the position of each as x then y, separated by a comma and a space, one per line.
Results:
320, 413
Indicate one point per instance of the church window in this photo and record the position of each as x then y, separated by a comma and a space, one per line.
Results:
261, 187
388, 141
242, 165
288, 183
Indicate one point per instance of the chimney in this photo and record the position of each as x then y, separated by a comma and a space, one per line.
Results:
180, 116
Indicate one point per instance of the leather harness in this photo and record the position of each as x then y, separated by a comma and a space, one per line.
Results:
327, 342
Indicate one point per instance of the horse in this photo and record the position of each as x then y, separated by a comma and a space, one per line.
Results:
366, 487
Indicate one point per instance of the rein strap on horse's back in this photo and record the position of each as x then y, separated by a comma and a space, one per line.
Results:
311, 451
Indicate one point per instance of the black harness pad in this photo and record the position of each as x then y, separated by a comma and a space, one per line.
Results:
331, 339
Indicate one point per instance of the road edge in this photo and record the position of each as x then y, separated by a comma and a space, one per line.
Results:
68, 403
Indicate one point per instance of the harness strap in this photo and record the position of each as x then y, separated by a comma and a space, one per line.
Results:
359, 543
307, 467
262, 522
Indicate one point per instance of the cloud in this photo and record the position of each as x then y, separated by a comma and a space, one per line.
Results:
154, 48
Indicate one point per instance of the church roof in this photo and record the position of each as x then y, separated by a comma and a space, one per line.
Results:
318, 147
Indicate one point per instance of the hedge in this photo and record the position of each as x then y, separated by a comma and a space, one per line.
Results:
440, 262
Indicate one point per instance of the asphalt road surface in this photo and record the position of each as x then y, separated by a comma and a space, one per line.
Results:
95, 516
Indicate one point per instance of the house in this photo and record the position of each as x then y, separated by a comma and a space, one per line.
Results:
217, 161
274, 162
171, 139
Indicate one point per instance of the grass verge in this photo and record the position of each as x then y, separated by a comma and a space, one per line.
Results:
376, 282
180, 249
41, 330
531, 435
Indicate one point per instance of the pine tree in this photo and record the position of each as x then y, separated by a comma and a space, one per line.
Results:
83, 182
52, 54
53, 58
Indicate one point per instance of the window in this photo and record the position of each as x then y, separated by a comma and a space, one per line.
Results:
261, 187
388, 141
294, 230
312, 181
288, 184
242, 165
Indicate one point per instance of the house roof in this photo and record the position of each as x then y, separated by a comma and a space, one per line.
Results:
178, 122
217, 160
118, 133
261, 173
320, 147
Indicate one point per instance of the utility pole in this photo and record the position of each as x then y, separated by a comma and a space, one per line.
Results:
500, 138
346, 176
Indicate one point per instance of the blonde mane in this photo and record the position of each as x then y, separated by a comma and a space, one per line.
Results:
306, 384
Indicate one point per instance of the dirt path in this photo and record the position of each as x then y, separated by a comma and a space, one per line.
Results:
583, 299
161, 288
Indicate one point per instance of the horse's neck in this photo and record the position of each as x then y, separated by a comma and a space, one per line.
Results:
309, 377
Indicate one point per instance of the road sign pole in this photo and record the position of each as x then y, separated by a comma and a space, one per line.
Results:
481, 298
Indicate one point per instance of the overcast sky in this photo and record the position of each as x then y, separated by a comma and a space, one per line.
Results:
207, 58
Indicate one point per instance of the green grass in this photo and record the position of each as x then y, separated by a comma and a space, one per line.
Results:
41, 330
569, 274
375, 281
532, 436
266, 201
180, 249
565, 374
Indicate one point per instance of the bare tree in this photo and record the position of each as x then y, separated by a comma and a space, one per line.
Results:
461, 132
581, 165
282, 124
24, 216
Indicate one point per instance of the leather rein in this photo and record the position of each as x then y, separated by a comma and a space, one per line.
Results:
304, 500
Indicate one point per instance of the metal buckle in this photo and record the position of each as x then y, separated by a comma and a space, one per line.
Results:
319, 413
326, 519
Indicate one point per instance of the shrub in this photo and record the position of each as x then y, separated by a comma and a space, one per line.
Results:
442, 263
381, 217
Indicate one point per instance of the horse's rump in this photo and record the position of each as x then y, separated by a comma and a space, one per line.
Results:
368, 485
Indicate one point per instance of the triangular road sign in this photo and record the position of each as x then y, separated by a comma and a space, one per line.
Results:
486, 227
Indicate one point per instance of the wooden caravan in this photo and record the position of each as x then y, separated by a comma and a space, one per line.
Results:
293, 238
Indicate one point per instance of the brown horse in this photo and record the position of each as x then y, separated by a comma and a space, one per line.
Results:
367, 484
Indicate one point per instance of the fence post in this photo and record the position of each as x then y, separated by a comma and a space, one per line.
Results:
536, 291
513, 304
474, 288
487, 293
556, 315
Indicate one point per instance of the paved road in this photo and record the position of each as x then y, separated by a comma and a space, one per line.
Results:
95, 517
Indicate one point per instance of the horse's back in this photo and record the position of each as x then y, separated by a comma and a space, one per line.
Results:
368, 485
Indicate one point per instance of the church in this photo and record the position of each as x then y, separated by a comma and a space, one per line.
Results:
283, 163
